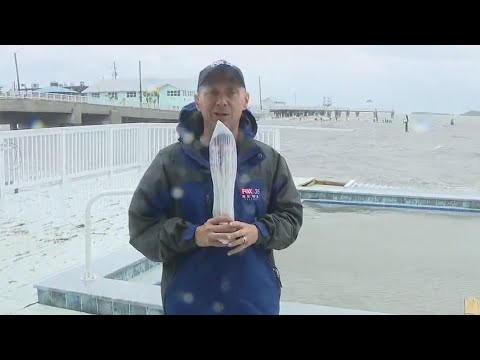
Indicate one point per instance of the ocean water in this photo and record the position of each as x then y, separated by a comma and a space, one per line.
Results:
432, 155
395, 261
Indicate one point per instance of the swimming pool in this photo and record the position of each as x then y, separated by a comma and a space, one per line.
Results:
133, 289
374, 259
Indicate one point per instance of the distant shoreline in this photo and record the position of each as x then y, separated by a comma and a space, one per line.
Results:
429, 113
472, 113
468, 113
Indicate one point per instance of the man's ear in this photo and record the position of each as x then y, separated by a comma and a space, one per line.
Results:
197, 99
247, 99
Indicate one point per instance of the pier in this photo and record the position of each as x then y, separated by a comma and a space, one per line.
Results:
327, 112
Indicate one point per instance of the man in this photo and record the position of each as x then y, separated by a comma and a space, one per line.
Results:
216, 265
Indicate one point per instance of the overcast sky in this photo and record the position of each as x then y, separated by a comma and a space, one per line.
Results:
407, 78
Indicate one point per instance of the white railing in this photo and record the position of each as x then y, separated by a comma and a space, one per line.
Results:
88, 274
43, 96
44, 156
18, 95
88, 99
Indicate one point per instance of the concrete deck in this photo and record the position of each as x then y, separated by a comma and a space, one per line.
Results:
386, 197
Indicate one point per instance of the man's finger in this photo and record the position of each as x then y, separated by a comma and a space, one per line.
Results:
236, 242
237, 249
220, 219
237, 224
223, 229
238, 233
222, 237
216, 243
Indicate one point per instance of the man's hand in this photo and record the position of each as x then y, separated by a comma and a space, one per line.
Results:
245, 236
215, 232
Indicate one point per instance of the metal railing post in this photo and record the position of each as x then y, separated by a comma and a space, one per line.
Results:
88, 274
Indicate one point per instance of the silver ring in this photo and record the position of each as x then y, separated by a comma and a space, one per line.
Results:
244, 239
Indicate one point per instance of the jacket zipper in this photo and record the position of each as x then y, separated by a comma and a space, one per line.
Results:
208, 201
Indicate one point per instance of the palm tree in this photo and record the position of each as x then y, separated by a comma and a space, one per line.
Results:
152, 96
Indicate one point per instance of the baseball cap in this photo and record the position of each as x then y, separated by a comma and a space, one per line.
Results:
220, 66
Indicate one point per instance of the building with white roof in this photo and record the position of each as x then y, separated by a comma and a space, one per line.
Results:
270, 103
165, 94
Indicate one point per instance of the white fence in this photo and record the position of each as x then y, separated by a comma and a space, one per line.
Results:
43, 96
43, 156
18, 95
29, 95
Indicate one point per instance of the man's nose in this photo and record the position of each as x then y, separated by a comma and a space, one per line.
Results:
222, 100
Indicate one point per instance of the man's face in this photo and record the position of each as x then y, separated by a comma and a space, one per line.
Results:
222, 99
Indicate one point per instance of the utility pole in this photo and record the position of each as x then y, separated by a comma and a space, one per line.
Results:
115, 71
16, 68
140, 78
